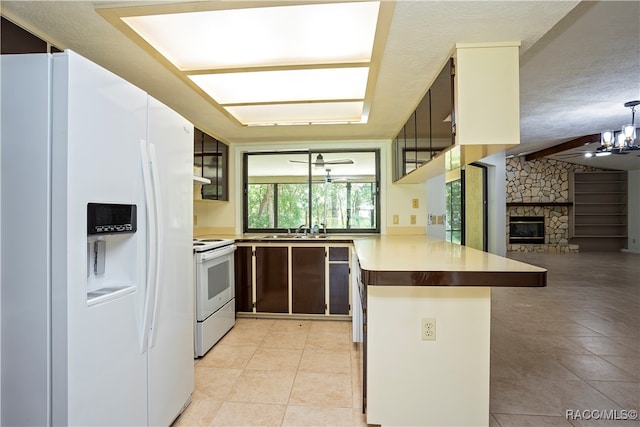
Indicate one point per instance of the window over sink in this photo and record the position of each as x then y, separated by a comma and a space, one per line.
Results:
333, 190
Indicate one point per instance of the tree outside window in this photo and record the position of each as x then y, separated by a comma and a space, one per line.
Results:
453, 217
284, 192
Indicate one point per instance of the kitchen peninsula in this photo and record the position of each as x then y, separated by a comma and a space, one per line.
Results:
401, 285
426, 310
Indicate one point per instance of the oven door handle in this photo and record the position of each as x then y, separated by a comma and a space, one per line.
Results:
226, 250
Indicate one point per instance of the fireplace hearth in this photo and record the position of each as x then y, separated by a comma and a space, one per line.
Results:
526, 229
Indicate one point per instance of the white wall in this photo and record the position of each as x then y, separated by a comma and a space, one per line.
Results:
497, 201
445, 382
0, 284
395, 199
436, 204
633, 211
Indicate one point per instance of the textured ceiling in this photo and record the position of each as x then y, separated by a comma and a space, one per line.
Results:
580, 62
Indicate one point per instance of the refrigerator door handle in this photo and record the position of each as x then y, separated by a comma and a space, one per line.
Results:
152, 259
155, 180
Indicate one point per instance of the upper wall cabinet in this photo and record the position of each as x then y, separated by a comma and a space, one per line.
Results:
430, 129
211, 160
16, 40
483, 118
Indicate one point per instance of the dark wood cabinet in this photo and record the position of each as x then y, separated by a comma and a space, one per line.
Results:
430, 129
16, 40
272, 279
339, 280
210, 160
318, 277
243, 271
339, 289
308, 280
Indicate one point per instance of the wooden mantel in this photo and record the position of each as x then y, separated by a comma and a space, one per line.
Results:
510, 204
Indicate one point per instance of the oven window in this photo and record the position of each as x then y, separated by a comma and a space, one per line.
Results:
218, 279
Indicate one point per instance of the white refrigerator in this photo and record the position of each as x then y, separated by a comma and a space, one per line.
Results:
97, 266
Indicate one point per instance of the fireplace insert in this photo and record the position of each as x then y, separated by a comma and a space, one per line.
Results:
526, 229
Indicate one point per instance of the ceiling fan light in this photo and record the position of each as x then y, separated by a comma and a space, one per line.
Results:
629, 132
606, 138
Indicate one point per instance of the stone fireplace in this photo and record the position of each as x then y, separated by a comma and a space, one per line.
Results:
555, 227
526, 229
540, 188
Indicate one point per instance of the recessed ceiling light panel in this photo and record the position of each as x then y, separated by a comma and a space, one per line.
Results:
266, 65
284, 85
316, 113
263, 36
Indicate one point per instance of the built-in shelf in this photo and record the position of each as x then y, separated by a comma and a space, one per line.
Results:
598, 218
198, 180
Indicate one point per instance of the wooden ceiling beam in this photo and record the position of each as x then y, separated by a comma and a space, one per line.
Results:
574, 143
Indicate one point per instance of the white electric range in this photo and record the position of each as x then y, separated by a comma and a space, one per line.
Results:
214, 279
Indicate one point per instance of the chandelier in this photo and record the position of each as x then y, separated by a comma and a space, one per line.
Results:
623, 140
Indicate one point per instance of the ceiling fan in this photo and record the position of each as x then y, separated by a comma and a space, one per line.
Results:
320, 162
328, 178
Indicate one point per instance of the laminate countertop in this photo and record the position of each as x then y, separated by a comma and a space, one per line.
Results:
397, 260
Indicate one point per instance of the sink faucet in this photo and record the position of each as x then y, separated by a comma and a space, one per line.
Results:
301, 228
324, 227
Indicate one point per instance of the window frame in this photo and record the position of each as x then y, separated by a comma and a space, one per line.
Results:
311, 153
449, 209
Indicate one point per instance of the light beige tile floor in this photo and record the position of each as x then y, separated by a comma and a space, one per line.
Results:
278, 372
574, 345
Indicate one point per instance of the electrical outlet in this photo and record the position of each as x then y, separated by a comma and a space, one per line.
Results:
428, 329
412, 219
415, 203
396, 219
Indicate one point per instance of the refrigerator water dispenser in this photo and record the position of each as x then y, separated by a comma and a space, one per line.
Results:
111, 251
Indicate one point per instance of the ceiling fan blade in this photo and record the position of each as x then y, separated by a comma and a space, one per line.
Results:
339, 162
320, 162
